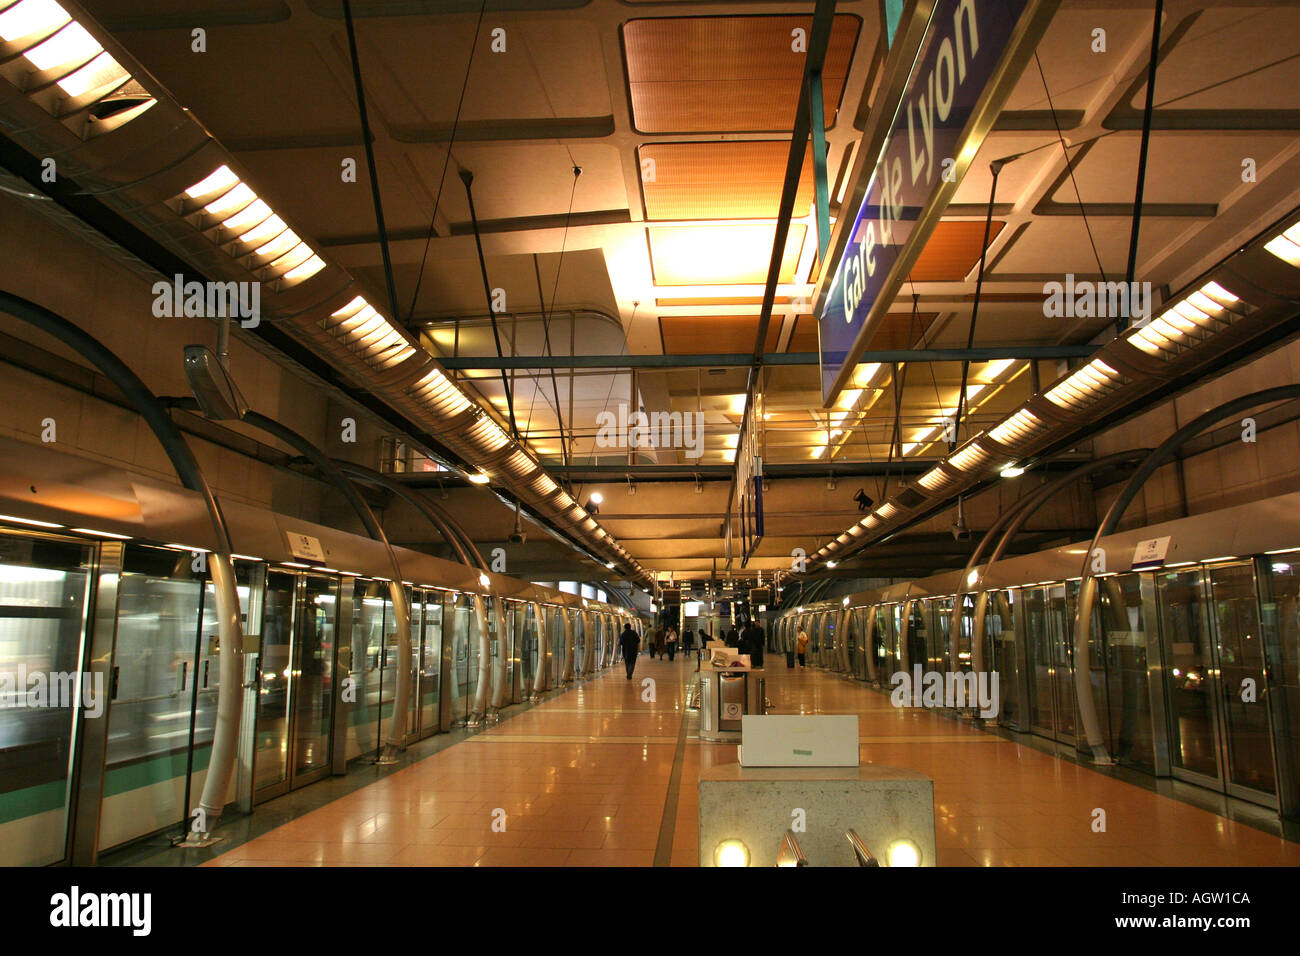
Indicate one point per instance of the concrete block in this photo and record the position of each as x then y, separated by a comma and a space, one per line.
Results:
757, 805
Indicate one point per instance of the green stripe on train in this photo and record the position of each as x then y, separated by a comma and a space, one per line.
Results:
30, 801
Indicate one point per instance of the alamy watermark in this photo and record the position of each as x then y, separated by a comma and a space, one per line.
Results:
212, 300
1096, 300
938, 689
655, 430
52, 689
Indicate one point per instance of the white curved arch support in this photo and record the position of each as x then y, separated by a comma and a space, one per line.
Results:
402, 699
870, 643
499, 667
542, 675
230, 670
566, 674
479, 707
977, 632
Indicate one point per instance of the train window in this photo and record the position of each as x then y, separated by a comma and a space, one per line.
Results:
44, 586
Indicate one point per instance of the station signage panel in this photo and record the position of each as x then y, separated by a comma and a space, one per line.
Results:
940, 121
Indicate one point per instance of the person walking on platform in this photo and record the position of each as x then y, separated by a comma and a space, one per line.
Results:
733, 637
658, 649
630, 644
670, 642
801, 646
751, 643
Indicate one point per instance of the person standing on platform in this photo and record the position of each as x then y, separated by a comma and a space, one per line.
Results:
733, 637
630, 644
658, 649
801, 646
752, 644
670, 642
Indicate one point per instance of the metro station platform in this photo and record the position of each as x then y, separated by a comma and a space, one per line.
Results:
599, 777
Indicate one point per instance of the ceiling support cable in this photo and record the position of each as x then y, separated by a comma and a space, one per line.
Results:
1121, 322
1069, 166
955, 438
546, 313
367, 140
555, 388
446, 161
468, 178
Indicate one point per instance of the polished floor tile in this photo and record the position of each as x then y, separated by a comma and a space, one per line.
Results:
585, 779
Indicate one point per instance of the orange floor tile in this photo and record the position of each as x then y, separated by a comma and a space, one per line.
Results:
583, 779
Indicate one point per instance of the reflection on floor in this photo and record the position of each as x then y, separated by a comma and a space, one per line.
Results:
600, 776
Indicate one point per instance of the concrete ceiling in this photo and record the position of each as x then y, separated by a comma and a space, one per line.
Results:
637, 260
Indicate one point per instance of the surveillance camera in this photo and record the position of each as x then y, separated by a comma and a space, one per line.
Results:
517, 537
960, 533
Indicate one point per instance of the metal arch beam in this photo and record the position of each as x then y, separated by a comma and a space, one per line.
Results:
446, 526
1158, 458
225, 739
1008, 524
401, 608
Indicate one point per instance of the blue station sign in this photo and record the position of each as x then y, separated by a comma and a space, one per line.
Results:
934, 135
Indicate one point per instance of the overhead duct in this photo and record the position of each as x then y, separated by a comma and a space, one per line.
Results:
158, 169
1236, 308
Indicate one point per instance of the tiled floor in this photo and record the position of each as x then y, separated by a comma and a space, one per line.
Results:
585, 780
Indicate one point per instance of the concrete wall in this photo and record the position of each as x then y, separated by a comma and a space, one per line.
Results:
49, 264
1233, 473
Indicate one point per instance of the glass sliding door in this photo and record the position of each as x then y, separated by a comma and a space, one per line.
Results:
1004, 653
368, 606
1060, 616
1283, 614
1192, 704
313, 677
1240, 649
430, 661
295, 700
1123, 691
271, 739
159, 614
44, 594
1038, 638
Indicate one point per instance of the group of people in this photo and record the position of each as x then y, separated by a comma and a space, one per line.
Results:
665, 640
749, 640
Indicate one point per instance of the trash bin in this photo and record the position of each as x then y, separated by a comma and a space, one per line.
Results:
789, 659
731, 700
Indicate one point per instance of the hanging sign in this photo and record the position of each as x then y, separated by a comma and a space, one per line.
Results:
969, 56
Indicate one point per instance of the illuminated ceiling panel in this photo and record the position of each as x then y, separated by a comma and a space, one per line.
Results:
736, 180
720, 255
727, 74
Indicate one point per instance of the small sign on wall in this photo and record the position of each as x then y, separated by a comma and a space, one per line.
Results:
304, 547
1151, 554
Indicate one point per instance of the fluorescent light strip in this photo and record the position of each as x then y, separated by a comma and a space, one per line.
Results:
969, 458
72, 44
31, 16
102, 534
30, 521
100, 72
